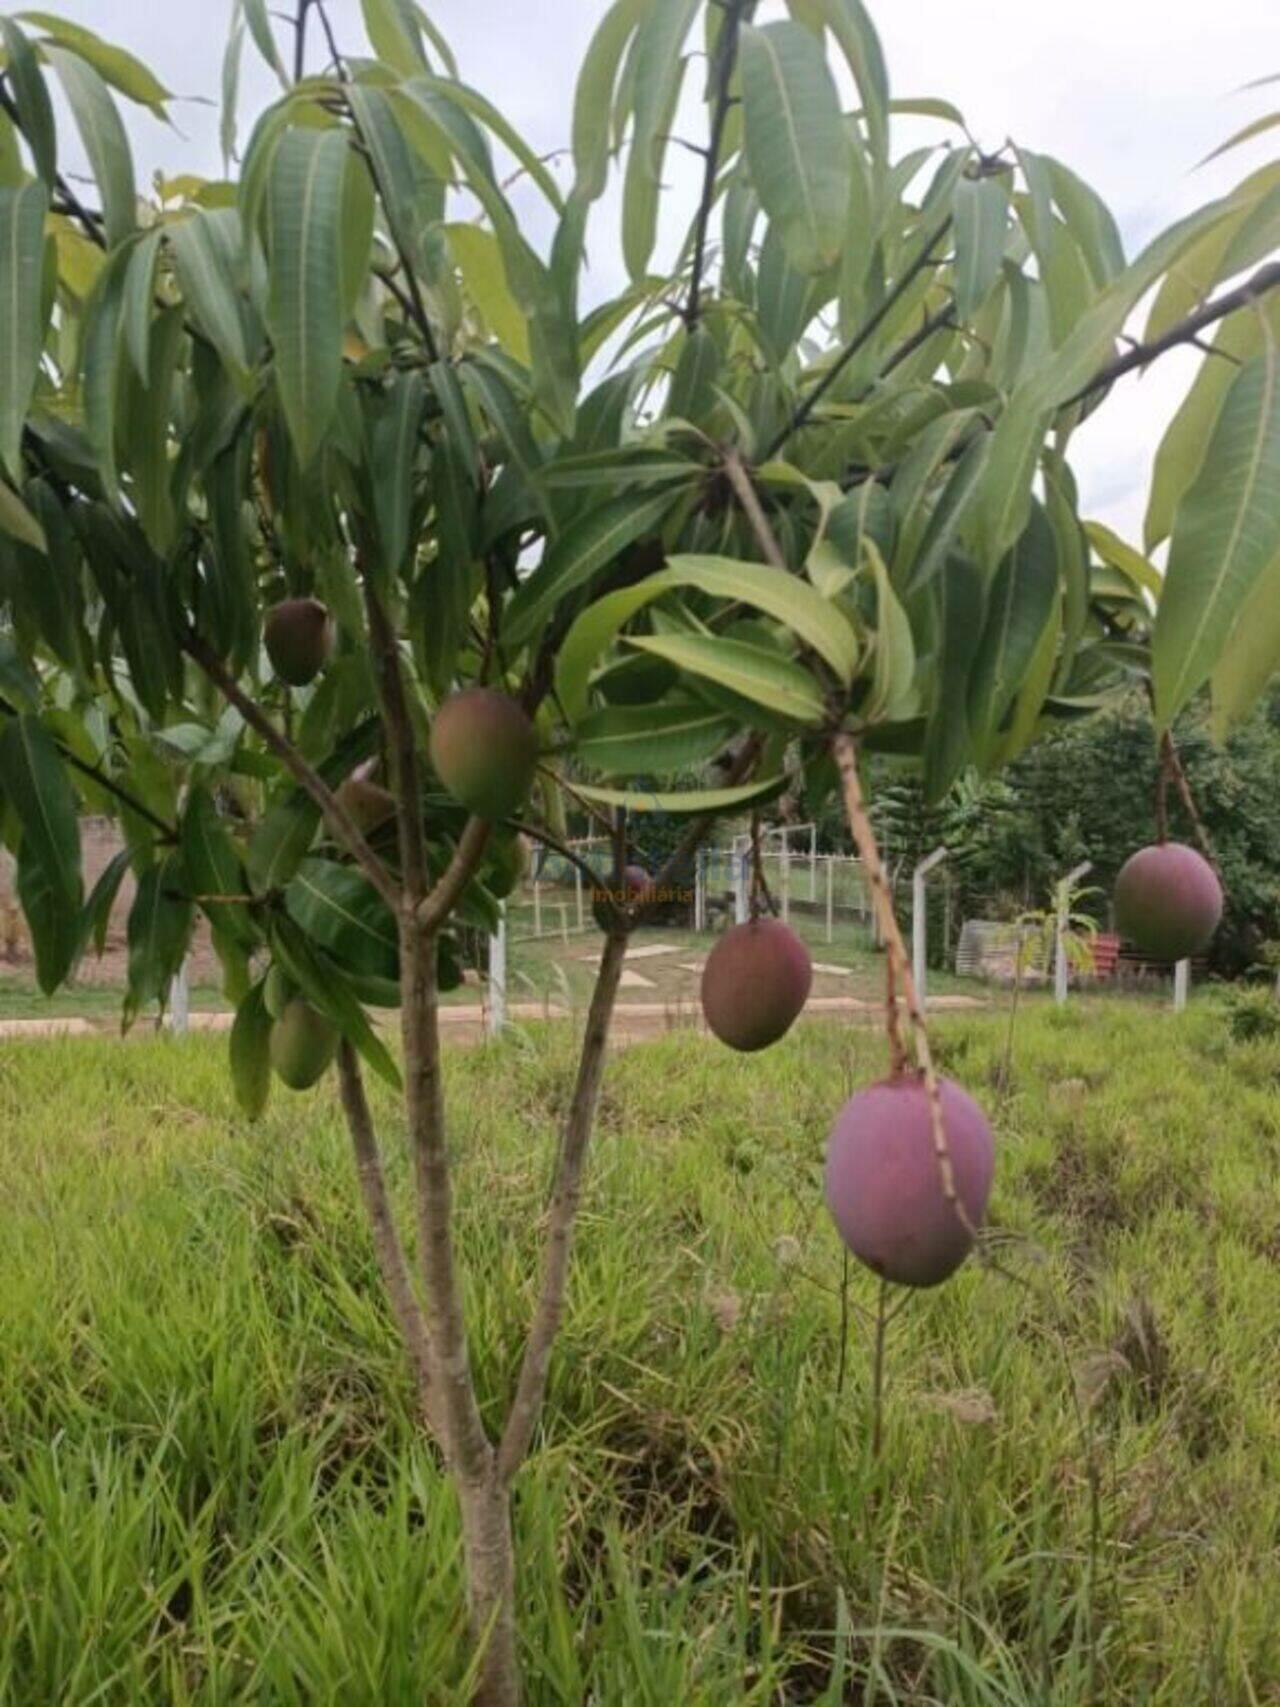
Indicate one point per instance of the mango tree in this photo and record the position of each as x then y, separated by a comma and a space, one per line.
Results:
343, 541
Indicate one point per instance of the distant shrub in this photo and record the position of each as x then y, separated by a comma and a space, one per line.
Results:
1253, 1013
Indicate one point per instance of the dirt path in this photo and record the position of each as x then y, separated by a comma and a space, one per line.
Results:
633, 1021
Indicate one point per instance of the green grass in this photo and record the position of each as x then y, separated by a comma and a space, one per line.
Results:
211, 1489
21, 999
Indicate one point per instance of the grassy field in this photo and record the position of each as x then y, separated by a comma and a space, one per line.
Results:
211, 1489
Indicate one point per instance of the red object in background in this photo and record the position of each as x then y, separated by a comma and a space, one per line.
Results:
1106, 956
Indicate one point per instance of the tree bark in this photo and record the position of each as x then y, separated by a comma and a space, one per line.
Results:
392, 1264
562, 1214
489, 1552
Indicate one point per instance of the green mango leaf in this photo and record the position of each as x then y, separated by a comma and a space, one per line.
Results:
304, 217
479, 258
820, 624
95, 916
101, 368
1182, 449
17, 521
341, 910
139, 301
1224, 536
284, 836
765, 677
390, 161
393, 449
158, 931
213, 867
207, 257
814, 619
34, 782
251, 1052
1089, 221
54, 927
1251, 658
960, 615
104, 138
325, 986
594, 95
656, 66
1029, 701
980, 219
695, 800
31, 97
483, 110
592, 542
850, 23
22, 319
392, 28
893, 660
1130, 563
1255, 127
949, 515
1020, 604
786, 298
796, 145
655, 740
1073, 569
495, 397
125, 73
1005, 498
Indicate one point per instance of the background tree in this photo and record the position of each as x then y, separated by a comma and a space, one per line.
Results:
802, 490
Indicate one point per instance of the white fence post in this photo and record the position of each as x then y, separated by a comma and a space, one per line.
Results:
784, 883
180, 1003
920, 918
813, 862
700, 891
577, 891
498, 975
831, 860
1181, 985
1060, 967
537, 908
740, 890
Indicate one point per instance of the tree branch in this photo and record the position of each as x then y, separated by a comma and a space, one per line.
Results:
466, 1445
388, 1249
435, 907
340, 822
106, 783
402, 749
338, 61
726, 57
1185, 332
861, 337
1172, 760
746, 494
562, 1213
556, 845
845, 752
300, 40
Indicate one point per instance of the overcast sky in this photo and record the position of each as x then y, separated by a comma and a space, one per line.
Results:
1131, 93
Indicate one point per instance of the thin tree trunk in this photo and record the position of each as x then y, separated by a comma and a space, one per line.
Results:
489, 1559
489, 1551
562, 1214
392, 1264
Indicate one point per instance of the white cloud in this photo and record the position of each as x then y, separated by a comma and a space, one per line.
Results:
1131, 93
